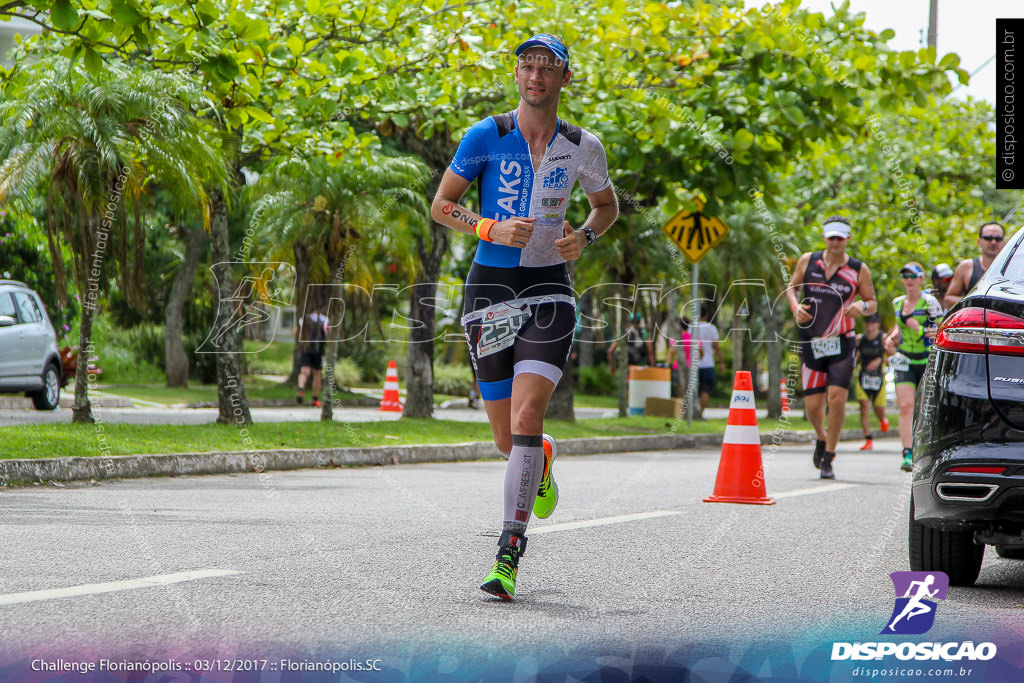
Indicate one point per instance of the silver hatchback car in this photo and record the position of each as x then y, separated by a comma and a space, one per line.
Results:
29, 360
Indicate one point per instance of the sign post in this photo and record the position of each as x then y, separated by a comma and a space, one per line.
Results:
695, 235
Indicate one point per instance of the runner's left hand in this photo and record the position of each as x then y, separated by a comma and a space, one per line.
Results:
572, 244
853, 310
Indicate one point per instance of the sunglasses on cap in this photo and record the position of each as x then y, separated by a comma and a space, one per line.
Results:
992, 238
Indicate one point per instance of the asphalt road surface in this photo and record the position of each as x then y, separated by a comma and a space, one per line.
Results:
383, 565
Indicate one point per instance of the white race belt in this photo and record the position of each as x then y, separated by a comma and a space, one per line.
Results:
501, 322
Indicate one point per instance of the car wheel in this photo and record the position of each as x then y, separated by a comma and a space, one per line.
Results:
1010, 553
48, 398
952, 552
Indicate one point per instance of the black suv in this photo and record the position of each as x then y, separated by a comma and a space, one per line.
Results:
29, 361
968, 481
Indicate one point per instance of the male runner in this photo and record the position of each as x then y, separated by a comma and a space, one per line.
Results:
311, 333
909, 342
709, 357
827, 282
942, 277
969, 271
869, 388
520, 309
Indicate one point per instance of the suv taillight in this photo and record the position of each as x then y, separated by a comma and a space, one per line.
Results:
978, 330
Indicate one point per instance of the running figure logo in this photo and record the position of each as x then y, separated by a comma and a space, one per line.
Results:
914, 611
558, 179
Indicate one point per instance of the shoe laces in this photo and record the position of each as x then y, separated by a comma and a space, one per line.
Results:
545, 485
506, 566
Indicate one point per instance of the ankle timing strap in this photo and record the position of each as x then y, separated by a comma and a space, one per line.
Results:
512, 539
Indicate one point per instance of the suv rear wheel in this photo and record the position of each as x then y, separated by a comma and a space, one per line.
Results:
48, 398
952, 552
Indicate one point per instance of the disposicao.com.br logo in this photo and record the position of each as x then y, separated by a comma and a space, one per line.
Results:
914, 613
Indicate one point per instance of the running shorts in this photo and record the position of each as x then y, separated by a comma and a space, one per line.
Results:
517, 320
827, 371
909, 374
875, 395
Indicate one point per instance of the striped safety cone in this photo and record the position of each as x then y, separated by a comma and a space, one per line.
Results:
740, 472
785, 396
391, 402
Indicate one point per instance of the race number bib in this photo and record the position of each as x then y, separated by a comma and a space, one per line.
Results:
823, 347
499, 326
871, 382
900, 363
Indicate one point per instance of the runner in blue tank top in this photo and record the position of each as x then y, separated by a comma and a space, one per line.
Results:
519, 313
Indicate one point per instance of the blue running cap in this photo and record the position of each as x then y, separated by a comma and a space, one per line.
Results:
548, 41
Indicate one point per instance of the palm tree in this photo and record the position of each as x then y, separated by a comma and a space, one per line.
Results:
95, 143
333, 218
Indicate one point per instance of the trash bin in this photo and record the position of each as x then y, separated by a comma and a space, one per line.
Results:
647, 382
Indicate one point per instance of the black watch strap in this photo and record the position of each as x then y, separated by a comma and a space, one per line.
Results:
591, 235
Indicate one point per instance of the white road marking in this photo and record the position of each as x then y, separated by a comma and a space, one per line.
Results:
811, 491
601, 521
111, 586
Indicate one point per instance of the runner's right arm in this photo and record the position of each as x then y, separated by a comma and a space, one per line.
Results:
958, 284
446, 210
799, 310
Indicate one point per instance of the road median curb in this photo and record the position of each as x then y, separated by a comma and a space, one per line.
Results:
27, 471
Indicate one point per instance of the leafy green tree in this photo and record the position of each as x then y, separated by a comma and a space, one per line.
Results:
716, 98
334, 219
916, 183
93, 143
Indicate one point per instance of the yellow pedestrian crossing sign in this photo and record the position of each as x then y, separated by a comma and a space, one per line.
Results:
694, 233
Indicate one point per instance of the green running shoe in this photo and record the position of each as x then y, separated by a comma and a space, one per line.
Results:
501, 582
908, 460
547, 492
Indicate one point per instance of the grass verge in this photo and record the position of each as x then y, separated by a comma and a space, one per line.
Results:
66, 440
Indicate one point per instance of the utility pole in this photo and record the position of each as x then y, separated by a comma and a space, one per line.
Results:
933, 24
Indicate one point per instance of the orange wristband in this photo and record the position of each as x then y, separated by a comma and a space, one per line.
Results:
483, 228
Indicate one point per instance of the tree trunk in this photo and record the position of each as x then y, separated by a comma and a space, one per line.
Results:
82, 410
436, 152
328, 387
622, 356
560, 407
737, 344
774, 365
302, 266
175, 358
232, 403
419, 397
587, 342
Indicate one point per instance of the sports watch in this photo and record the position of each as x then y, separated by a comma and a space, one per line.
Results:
591, 235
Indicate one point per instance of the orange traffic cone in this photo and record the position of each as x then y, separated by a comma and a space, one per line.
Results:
740, 472
391, 403
785, 396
